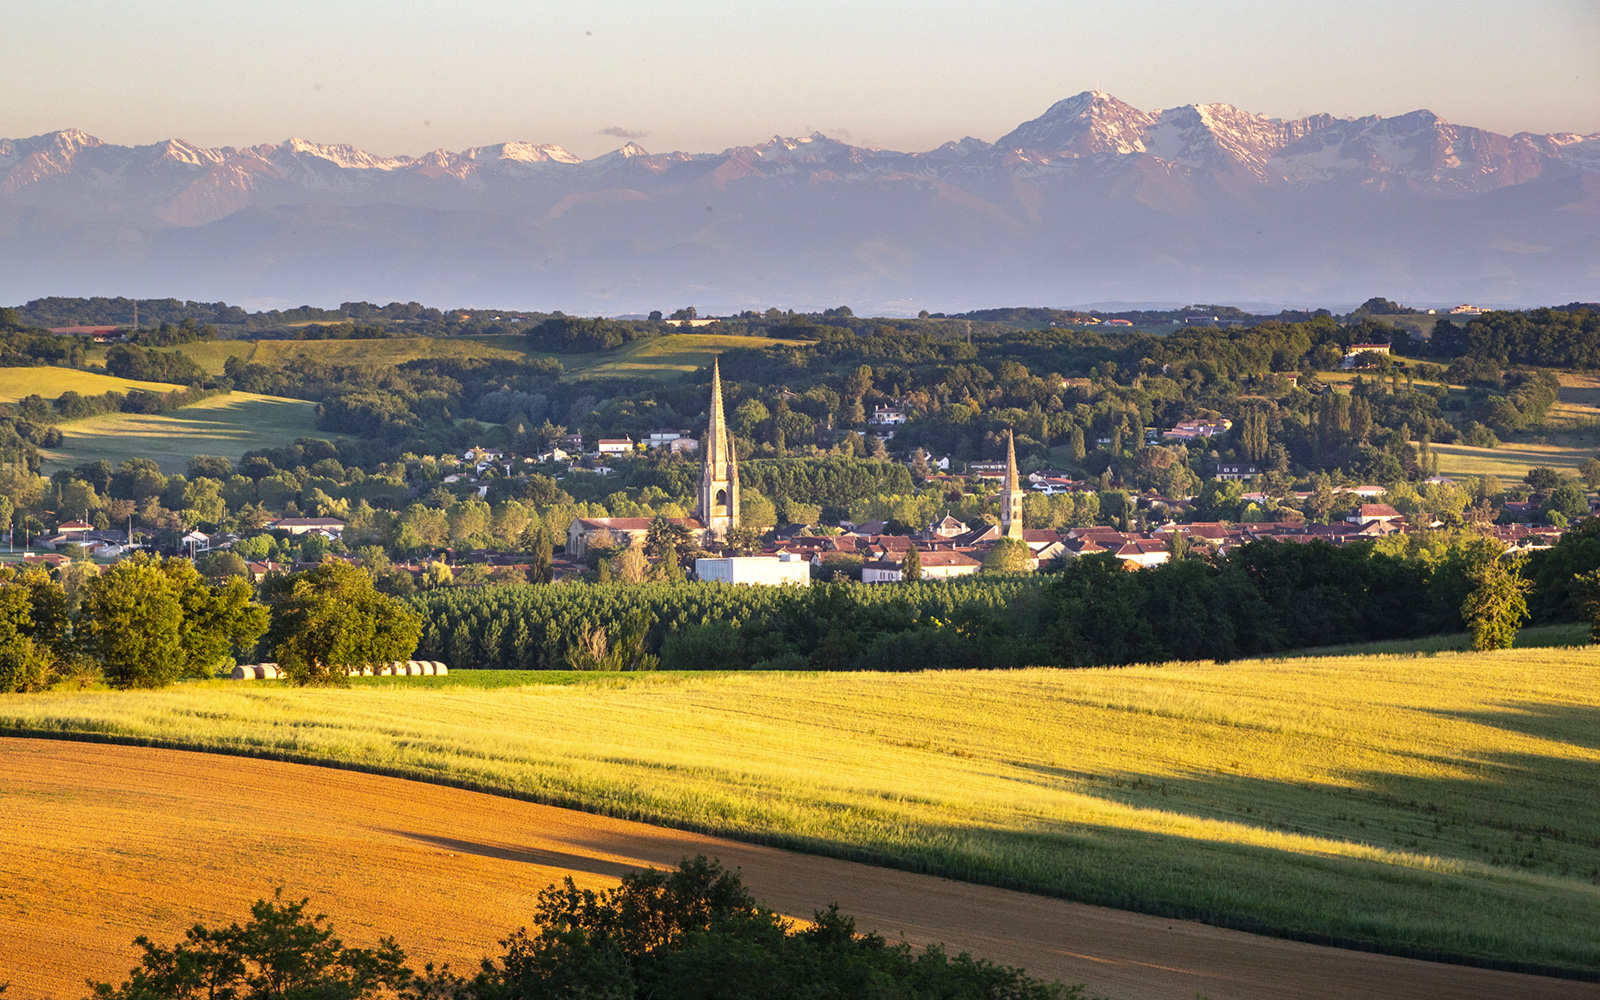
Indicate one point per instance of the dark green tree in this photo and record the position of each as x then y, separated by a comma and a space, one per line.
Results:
542, 570
329, 620
130, 621
1588, 593
281, 953
911, 568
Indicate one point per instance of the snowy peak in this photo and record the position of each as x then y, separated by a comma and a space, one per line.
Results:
341, 155
522, 152
1089, 123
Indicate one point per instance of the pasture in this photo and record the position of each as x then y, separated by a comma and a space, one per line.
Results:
1432, 805
50, 382
228, 425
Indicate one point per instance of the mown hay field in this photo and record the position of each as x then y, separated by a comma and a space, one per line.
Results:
1430, 805
50, 382
228, 425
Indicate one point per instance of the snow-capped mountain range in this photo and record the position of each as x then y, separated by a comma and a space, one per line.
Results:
1094, 199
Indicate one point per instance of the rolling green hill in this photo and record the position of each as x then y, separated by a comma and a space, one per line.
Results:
227, 425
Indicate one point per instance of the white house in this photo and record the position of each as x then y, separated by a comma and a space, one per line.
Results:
657, 439
330, 526
784, 568
614, 446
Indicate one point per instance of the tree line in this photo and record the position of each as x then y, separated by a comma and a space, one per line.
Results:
1263, 598
146, 622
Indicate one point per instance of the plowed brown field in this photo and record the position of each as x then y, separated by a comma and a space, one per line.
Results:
107, 842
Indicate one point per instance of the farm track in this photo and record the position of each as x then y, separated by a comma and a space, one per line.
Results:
108, 842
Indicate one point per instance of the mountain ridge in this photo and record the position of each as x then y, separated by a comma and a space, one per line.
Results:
1196, 200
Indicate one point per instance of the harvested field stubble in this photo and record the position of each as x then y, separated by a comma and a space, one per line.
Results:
108, 842
1425, 805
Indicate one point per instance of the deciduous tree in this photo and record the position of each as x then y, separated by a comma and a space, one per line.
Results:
1498, 604
330, 619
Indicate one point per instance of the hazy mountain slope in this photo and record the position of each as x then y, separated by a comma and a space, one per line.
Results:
1093, 200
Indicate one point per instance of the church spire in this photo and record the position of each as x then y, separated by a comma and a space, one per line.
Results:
1011, 494
719, 472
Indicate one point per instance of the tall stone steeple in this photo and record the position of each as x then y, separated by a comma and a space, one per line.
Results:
1011, 494
719, 469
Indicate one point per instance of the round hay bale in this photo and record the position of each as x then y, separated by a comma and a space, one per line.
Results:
414, 668
243, 672
260, 671
440, 668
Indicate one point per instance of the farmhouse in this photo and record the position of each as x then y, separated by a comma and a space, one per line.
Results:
1369, 512
1356, 350
614, 446
936, 565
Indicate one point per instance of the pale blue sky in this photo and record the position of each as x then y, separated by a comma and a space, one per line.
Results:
408, 77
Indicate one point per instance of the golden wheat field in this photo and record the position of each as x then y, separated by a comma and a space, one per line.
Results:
1432, 804
106, 842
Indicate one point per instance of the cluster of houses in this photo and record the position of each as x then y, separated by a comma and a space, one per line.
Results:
567, 450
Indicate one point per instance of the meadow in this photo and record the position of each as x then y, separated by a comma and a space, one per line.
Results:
228, 425
1434, 805
50, 382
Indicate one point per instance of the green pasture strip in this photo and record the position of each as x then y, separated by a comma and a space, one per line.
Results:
228, 425
1436, 806
50, 382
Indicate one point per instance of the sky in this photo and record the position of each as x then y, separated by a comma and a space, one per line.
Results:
406, 77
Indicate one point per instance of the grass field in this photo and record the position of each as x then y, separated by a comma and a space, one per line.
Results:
392, 351
673, 354
51, 382
227, 425
1510, 462
1441, 804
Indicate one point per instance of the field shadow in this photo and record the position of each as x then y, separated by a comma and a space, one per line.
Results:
1520, 811
1577, 725
527, 856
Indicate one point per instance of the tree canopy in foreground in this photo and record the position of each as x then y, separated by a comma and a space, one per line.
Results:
696, 932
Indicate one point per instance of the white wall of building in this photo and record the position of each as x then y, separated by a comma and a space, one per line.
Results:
761, 570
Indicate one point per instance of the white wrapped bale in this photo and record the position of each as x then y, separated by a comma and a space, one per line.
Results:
440, 669
244, 672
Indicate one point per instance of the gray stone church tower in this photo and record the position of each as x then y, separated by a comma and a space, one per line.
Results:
718, 507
